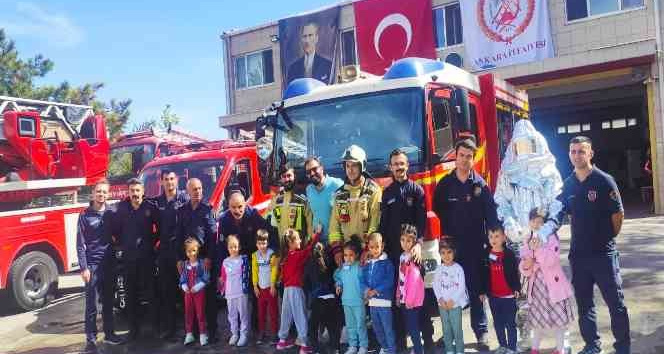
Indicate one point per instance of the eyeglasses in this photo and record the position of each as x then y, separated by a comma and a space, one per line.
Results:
312, 170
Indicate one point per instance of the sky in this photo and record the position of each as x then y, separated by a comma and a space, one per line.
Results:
154, 52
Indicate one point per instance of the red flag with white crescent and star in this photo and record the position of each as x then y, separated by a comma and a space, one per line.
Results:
388, 30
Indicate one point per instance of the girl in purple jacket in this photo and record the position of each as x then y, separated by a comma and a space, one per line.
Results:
549, 291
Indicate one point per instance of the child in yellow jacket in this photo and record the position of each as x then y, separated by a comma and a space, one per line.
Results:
264, 273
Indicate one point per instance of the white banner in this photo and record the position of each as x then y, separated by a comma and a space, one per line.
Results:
505, 32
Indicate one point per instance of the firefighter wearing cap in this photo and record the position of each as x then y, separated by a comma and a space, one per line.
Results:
290, 210
356, 208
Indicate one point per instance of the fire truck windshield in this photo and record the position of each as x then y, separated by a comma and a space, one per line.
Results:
127, 161
208, 171
378, 122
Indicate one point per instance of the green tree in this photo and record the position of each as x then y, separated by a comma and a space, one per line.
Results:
17, 78
166, 120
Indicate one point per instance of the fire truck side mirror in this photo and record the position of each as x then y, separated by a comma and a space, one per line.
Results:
461, 109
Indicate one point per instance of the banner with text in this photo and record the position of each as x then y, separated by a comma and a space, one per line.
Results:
498, 33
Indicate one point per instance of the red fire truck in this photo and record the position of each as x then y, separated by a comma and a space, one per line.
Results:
421, 106
49, 154
132, 151
219, 165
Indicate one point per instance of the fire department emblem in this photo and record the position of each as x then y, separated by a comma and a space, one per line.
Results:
592, 195
504, 20
477, 191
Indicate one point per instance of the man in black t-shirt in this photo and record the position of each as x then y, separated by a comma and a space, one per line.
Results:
592, 200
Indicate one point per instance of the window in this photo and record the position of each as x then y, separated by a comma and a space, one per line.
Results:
619, 123
207, 171
562, 129
241, 178
585, 127
577, 9
606, 124
442, 127
26, 126
573, 128
447, 25
348, 52
254, 69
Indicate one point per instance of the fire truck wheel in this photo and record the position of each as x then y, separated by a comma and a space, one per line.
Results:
34, 278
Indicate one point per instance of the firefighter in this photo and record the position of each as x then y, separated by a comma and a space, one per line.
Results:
96, 264
196, 219
356, 209
134, 226
168, 202
403, 203
592, 200
288, 209
466, 209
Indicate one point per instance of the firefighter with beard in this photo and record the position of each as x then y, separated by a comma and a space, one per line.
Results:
288, 209
134, 226
356, 209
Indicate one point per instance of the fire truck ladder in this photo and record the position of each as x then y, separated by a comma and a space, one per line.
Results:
69, 114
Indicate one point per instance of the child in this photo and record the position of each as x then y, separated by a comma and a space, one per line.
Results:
294, 302
410, 289
234, 284
348, 279
379, 282
549, 291
326, 309
264, 272
449, 285
193, 279
504, 286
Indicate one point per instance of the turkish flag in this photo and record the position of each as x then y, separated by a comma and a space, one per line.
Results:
388, 30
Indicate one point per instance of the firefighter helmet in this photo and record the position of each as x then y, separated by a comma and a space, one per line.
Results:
355, 153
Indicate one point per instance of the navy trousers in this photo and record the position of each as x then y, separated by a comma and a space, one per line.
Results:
603, 270
100, 285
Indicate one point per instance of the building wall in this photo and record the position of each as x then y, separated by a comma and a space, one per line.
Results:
582, 42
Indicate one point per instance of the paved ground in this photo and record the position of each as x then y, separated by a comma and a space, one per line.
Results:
58, 328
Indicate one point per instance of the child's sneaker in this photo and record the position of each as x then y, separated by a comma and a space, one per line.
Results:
383, 351
304, 349
260, 339
242, 341
535, 351
284, 344
203, 339
189, 338
351, 350
233, 339
362, 350
450, 352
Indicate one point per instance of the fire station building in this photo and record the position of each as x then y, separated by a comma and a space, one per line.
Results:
604, 81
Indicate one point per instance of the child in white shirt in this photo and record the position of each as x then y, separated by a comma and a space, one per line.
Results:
449, 285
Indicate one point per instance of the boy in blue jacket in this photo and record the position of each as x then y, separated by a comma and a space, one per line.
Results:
378, 277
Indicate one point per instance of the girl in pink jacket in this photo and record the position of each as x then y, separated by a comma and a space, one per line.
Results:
410, 287
549, 291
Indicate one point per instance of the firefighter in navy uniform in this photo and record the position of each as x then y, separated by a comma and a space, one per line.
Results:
134, 226
591, 198
96, 261
196, 219
466, 209
168, 202
403, 203
356, 208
